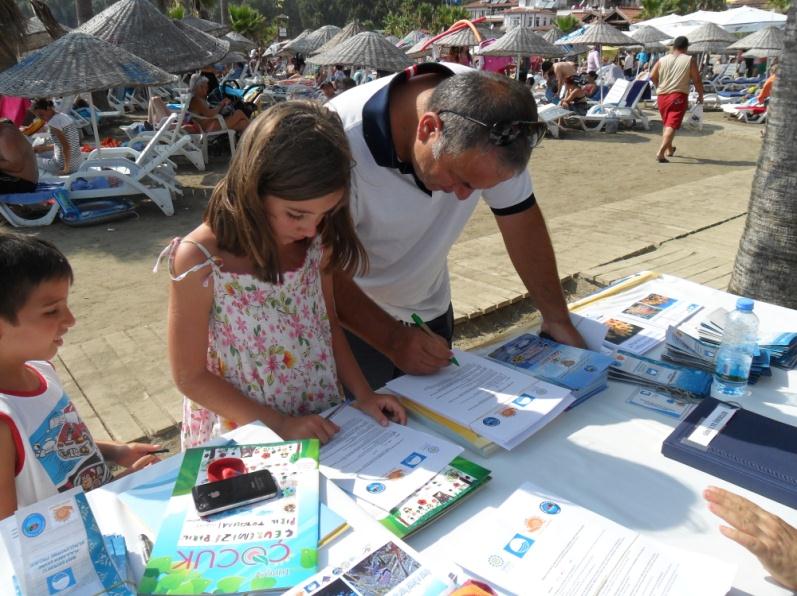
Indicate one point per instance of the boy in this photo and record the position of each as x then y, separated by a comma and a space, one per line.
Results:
45, 447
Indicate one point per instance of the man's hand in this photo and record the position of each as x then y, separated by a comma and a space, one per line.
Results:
767, 536
564, 332
416, 352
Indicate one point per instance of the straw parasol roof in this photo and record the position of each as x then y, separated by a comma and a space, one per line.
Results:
464, 37
365, 49
347, 32
210, 27
233, 57
769, 38
238, 42
710, 47
522, 41
312, 41
416, 51
412, 38
648, 35
393, 39
208, 43
552, 34
711, 32
297, 41
600, 33
138, 27
78, 63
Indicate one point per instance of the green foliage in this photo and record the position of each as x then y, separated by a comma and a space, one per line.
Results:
415, 14
247, 21
568, 23
780, 5
176, 11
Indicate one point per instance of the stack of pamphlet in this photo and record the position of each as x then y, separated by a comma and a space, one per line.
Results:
679, 381
583, 372
536, 543
491, 400
268, 545
780, 346
401, 476
686, 349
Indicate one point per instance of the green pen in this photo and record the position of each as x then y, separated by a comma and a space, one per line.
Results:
423, 326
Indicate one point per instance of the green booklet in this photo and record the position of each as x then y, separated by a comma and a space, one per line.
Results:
449, 487
268, 545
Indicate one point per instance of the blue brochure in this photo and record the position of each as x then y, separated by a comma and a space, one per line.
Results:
583, 372
670, 378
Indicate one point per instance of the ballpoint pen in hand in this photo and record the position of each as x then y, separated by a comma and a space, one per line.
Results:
424, 327
336, 409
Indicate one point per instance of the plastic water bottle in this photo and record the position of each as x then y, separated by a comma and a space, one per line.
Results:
735, 354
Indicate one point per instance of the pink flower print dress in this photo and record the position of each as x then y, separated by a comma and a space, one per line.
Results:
272, 342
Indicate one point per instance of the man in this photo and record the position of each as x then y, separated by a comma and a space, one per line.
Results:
593, 59
628, 65
671, 76
562, 70
425, 142
18, 171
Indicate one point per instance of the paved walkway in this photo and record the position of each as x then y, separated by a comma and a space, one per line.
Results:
119, 378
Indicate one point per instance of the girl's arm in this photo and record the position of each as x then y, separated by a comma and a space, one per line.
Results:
8, 460
189, 315
374, 404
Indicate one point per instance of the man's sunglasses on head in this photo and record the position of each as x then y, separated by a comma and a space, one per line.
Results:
504, 132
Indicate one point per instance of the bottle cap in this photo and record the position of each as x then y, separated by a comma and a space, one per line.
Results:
744, 304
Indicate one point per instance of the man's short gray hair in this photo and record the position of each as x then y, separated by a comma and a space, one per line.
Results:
489, 98
197, 80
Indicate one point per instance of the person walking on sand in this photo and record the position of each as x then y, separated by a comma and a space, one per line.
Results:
671, 75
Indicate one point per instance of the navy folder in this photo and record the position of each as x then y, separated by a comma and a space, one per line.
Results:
752, 451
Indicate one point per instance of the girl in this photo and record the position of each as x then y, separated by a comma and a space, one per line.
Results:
253, 333
64, 140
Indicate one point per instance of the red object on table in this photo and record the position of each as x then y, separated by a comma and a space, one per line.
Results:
224, 468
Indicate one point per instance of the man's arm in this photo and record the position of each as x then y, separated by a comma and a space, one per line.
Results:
694, 72
529, 246
654, 75
410, 349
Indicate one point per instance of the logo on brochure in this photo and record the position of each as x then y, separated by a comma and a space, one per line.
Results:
312, 587
652, 372
519, 545
495, 561
550, 507
413, 459
60, 581
491, 421
523, 400
375, 488
33, 525
589, 368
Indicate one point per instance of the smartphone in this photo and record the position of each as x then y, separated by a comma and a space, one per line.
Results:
214, 497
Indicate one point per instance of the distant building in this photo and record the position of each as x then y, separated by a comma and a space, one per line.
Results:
529, 14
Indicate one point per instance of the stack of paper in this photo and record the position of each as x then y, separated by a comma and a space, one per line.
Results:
680, 381
683, 348
401, 476
583, 372
491, 400
539, 544
781, 347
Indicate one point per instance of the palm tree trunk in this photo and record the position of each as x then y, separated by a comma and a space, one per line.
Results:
224, 12
48, 20
12, 33
84, 10
766, 263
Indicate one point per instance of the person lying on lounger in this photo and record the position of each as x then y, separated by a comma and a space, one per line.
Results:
18, 172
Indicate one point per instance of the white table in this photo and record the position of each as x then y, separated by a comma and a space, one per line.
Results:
605, 455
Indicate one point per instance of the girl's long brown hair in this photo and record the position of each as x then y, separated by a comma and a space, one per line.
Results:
297, 151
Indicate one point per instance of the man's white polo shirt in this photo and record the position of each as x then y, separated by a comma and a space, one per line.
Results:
407, 230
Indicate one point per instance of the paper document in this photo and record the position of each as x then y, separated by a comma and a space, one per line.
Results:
382, 464
538, 544
503, 405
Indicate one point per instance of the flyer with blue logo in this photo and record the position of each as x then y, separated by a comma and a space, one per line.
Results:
536, 543
57, 548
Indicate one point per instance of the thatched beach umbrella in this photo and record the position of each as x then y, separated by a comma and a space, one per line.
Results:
393, 39
600, 34
209, 27
238, 42
649, 37
347, 32
710, 38
465, 37
297, 43
522, 41
552, 34
412, 38
767, 42
79, 63
138, 27
418, 50
314, 40
365, 49
206, 42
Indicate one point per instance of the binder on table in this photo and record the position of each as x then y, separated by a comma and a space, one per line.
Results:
750, 450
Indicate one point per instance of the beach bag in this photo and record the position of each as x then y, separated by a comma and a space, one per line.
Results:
695, 116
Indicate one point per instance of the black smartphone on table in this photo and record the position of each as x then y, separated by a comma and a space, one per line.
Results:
243, 489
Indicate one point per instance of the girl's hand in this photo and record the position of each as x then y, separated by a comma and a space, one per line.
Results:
377, 405
135, 455
307, 427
